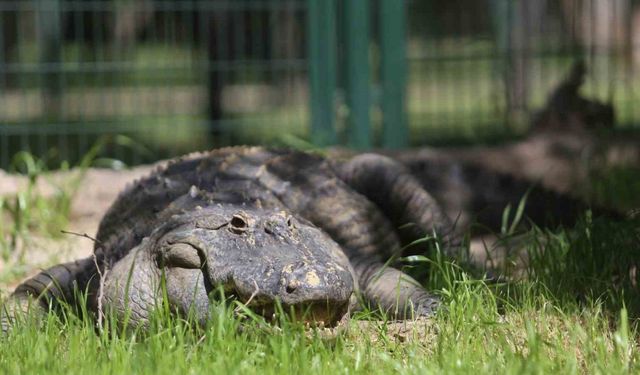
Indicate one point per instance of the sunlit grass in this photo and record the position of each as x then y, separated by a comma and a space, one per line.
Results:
575, 312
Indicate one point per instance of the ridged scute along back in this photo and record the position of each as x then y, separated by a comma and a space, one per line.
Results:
134, 214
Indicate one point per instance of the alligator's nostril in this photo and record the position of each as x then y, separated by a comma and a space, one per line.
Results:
290, 288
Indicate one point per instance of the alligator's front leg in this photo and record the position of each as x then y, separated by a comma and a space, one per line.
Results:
49, 289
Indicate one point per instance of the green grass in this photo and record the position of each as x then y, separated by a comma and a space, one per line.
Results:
574, 312
470, 337
616, 186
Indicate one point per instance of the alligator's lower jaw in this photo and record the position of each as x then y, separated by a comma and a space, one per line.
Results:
318, 314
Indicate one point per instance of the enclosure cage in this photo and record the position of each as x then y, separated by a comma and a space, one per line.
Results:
179, 75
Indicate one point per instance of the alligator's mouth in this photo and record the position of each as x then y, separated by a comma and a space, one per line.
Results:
325, 312
319, 314
316, 314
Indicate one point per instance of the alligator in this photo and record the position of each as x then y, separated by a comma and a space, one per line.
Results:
279, 227
268, 227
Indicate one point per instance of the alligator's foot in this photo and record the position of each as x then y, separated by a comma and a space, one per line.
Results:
394, 293
426, 307
16, 310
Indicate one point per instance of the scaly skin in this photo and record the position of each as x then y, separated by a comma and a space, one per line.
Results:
264, 226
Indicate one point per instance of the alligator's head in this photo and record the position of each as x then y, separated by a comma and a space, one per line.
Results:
263, 257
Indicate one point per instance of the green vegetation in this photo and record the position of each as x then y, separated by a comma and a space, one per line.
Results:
574, 312
617, 186
471, 337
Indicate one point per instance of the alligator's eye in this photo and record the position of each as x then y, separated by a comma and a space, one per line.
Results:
290, 222
238, 224
181, 255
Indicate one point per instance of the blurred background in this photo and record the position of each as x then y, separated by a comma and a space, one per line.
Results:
175, 76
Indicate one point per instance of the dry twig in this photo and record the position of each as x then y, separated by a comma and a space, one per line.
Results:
102, 275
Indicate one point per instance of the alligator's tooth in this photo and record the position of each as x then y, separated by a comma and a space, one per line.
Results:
193, 191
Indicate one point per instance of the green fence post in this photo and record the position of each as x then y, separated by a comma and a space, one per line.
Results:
322, 69
394, 72
356, 29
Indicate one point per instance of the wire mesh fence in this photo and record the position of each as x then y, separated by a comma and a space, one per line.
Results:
179, 75
175, 74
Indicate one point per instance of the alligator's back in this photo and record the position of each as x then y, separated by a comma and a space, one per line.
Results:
227, 173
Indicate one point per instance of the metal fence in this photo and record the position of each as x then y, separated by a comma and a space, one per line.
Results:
478, 69
179, 75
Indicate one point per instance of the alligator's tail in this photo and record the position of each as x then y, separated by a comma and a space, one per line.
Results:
541, 206
50, 289
480, 195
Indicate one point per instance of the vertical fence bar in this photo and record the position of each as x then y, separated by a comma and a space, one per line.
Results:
356, 28
395, 133
322, 69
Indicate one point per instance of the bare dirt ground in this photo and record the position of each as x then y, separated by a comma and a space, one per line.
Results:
97, 190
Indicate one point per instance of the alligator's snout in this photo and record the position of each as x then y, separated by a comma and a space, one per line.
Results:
305, 292
314, 295
300, 282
